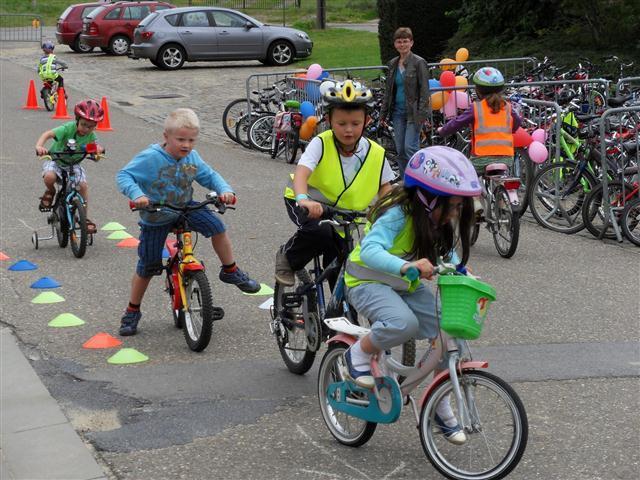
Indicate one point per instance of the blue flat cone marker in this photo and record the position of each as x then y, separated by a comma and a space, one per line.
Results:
119, 235
112, 226
48, 297
22, 265
66, 320
127, 355
264, 290
165, 253
45, 282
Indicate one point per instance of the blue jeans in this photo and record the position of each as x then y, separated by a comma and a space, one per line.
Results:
406, 136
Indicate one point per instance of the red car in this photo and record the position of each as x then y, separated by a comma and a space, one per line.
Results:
111, 26
70, 26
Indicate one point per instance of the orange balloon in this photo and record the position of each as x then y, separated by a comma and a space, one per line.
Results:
445, 64
438, 100
462, 55
308, 127
461, 81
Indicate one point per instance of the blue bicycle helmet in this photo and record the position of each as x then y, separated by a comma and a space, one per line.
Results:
488, 77
48, 46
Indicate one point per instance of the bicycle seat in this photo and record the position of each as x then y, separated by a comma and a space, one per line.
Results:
496, 169
618, 101
586, 118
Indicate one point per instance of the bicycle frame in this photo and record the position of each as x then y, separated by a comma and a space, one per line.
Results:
181, 259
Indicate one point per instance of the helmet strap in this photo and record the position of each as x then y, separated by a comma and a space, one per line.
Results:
428, 205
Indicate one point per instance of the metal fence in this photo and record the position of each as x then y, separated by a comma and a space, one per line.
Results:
511, 68
20, 27
624, 83
250, 6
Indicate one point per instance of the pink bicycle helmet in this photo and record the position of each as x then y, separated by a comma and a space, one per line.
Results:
442, 171
89, 110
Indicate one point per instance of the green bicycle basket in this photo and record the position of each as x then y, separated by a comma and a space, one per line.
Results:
465, 302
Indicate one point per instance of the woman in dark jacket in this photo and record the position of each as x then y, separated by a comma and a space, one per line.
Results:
405, 100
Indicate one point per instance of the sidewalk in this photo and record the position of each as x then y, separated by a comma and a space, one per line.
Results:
37, 441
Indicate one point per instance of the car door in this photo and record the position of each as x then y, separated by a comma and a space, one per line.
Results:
235, 40
197, 34
132, 16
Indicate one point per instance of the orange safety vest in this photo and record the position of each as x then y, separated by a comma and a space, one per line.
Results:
492, 132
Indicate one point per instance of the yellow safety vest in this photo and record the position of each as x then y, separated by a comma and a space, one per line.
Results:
358, 272
327, 185
46, 71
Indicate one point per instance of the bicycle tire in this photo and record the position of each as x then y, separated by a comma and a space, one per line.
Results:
488, 417
593, 212
292, 146
62, 230
505, 238
45, 93
630, 221
475, 233
340, 424
261, 131
553, 184
523, 169
242, 131
290, 335
230, 118
197, 332
78, 230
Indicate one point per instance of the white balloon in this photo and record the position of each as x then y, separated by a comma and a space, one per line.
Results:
325, 86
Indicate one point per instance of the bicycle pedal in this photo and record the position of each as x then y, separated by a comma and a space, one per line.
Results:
44, 209
218, 313
291, 300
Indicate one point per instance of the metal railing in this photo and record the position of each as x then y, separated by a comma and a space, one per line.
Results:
623, 82
509, 67
249, 6
20, 27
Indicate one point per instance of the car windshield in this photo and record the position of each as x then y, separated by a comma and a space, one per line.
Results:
147, 20
95, 12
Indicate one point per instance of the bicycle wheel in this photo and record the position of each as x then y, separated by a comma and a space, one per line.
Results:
61, 225
523, 169
198, 318
233, 113
290, 331
593, 210
242, 130
498, 437
78, 229
292, 146
506, 226
45, 93
348, 430
630, 221
557, 194
261, 132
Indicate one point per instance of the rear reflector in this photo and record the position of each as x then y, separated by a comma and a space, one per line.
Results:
512, 184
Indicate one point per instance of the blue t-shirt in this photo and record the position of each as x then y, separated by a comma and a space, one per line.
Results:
399, 105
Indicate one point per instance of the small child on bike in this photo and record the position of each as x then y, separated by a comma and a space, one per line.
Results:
412, 226
493, 122
49, 65
340, 168
88, 113
164, 173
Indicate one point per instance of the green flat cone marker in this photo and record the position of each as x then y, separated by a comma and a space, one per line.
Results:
111, 226
119, 235
66, 320
264, 290
48, 297
127, 355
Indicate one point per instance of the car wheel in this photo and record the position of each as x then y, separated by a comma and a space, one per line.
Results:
171, 57
119, 45
280, 53
80, 47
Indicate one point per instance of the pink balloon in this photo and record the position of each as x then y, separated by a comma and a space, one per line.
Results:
314, 71
538, 152
462, 100
449, 108
539, 135
448, 79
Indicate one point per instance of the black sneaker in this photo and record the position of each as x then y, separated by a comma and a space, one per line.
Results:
241, 280
129, 323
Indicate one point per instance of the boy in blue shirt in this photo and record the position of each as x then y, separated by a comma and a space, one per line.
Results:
164, 173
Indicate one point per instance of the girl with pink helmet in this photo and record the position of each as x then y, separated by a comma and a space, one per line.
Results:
416, 223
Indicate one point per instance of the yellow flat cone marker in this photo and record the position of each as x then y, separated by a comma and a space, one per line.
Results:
66, 320
111, 226
128, 243
48, 297
127, 355
264, 290
119, 235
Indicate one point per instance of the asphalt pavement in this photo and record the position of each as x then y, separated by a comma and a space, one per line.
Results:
564, 330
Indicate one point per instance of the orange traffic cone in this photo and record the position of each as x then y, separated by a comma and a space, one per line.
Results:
61, 106
32, 100
105, 124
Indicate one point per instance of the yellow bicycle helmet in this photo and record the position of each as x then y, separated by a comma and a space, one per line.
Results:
344, 94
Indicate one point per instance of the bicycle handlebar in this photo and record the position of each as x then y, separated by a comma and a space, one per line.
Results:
67, 157
341, 217
212, 199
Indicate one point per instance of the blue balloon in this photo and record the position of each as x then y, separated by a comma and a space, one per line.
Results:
433, 84
307, 109
323, 75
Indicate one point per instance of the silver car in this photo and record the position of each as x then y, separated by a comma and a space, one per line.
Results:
169, 38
